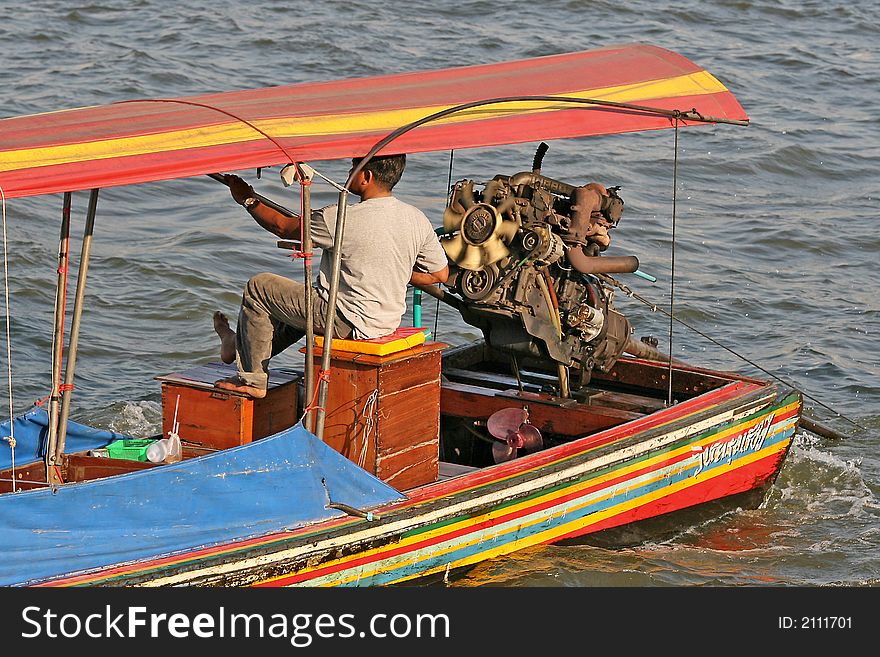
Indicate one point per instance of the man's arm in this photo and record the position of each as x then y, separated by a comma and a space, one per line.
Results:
431, 255
268, 218
429, 278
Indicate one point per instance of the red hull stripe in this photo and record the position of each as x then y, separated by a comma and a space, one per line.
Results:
743, 479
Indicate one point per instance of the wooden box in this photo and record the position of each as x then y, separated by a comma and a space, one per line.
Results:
383, 412
217, 418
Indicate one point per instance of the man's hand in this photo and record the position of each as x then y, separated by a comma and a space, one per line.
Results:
239, 189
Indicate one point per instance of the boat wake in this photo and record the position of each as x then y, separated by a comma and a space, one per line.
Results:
817, 485
140, 419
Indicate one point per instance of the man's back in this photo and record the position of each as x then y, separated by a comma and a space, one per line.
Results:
384, 239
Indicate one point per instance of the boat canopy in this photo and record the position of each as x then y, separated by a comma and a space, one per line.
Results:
154, 139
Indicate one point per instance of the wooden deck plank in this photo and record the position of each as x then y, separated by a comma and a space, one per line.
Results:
451, 470
534, 382
568, 419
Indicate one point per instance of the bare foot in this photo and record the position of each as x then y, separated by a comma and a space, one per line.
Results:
227, 337
237, 384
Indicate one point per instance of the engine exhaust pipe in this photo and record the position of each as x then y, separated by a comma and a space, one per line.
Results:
601, 264
641, 349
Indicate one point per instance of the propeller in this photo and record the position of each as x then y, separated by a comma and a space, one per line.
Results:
481, 233
512, 431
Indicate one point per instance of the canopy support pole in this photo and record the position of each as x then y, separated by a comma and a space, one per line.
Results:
306, 223
58, 339
331, 312
669, 399
67, 388
691, 115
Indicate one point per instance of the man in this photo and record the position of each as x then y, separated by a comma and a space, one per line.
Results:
387, 244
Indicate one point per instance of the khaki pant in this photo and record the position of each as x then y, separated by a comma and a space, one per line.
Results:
272, 318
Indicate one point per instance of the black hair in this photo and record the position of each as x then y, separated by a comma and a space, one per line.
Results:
387, 168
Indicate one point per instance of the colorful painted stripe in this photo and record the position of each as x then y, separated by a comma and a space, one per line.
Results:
511, 526
458, 528
565, 511
334, 126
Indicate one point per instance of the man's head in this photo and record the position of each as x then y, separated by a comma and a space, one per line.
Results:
383, 171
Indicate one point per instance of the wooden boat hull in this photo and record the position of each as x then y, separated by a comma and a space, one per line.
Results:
255, 508
721, 443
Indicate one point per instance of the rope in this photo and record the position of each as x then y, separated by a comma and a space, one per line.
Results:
368, 412
323, 375
11, 438
654, 307
305, 255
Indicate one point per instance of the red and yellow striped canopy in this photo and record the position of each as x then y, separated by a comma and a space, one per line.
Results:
159, 139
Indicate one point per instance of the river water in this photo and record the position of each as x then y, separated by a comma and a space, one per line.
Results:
776, 228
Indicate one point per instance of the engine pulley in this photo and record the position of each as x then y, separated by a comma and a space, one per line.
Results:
477, 284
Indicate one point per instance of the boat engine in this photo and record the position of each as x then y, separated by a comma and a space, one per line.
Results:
525, 251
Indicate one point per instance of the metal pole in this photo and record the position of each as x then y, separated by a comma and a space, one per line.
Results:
75, 322
306, 221
417, 308
331, 311
672, 261
440, 295
58, 340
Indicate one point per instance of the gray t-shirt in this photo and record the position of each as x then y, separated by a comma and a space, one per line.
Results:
384, 240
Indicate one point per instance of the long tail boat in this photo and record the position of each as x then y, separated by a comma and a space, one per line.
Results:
389, 460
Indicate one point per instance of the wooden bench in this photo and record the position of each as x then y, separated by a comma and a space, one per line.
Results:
214, 418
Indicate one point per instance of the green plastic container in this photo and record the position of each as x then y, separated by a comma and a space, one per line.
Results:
133, 450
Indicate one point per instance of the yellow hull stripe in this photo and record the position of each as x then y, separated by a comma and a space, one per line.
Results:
554, 533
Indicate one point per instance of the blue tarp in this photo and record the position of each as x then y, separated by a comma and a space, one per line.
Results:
31, 430
262, 487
